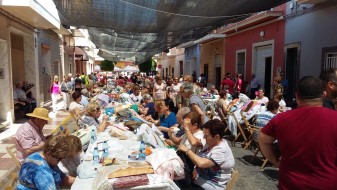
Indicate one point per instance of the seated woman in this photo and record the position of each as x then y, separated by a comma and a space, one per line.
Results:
69, 164
215, 163
279, 98
75, 106
213, 90
221, 106
148, 108
91, 118
180, 122
39, 170
135, 97
193, 139
168, 117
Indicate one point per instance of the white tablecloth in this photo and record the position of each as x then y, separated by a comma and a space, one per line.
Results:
120, 149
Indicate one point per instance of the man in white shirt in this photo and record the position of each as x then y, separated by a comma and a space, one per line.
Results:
21, 96
261, 98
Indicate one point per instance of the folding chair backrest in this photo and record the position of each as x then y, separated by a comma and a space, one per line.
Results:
221, 114
232, 180
244, 119
66, 127
242, 132
12, 155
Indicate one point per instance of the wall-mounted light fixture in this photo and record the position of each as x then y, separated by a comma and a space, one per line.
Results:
262, 35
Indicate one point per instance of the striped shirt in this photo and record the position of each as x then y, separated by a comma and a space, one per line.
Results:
262, 119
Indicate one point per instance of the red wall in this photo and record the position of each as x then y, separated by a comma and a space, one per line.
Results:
245, 40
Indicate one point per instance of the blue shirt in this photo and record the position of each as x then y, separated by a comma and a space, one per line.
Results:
151, 110
167, 122
84, 101
36, 173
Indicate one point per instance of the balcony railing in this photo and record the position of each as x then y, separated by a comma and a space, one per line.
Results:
330, 62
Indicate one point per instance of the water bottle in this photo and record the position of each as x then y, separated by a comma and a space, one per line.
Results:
142, 154
136, 129
93, 136
105, 149
95, 156
142, 147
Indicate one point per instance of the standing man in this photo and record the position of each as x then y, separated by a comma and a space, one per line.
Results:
254, 86
29, 137
307, 141
228, 84
329, 78
195, 102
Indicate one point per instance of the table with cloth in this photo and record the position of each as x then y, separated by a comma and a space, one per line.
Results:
96, 176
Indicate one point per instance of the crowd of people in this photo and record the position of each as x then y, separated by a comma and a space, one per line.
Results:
177, 107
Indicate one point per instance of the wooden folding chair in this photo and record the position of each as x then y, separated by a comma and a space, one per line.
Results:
264, 159
241, 131
12, 155
250, 128
12, 182
232, 180
66, 127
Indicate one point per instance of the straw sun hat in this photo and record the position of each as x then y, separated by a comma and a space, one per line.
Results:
41, 113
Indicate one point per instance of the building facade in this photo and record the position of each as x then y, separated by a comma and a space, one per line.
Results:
171, 63
310, 39
33, 49
255, 46
212, 58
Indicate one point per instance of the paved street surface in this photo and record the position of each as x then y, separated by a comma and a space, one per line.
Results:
251, 178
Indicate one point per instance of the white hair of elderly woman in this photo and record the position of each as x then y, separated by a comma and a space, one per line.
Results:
188, 88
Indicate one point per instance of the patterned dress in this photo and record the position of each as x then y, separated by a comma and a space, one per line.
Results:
36, 173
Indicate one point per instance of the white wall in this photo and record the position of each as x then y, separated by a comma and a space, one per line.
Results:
314, 30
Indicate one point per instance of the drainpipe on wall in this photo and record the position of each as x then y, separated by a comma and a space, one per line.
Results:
39, 95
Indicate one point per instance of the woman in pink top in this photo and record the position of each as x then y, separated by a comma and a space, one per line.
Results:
239, 82
55, 92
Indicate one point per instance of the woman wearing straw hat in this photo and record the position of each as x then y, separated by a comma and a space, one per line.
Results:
29, 137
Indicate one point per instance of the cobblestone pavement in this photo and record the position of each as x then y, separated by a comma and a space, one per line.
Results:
251, 178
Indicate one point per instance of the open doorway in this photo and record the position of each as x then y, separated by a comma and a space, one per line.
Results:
181, 68
22, 74
291, 70
267, 76
217, 78
17, 56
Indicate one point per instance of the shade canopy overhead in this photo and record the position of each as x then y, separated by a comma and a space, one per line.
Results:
142, 28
